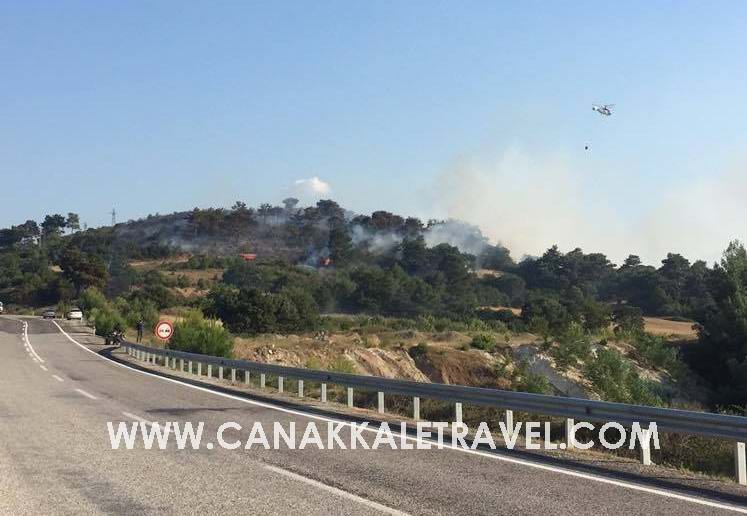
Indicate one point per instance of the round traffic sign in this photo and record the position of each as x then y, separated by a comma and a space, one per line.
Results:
164, 330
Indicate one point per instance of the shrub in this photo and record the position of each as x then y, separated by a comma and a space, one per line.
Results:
573, 346
614, 379
342, 365
92, 298
106, 319
195, 334
254, 311
420, 350
483, 341
100, 312
628, 320
524, 380
137, 309
653, 351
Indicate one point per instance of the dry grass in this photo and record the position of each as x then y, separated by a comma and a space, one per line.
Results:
515, 311
156, 264
194, 275
679, 329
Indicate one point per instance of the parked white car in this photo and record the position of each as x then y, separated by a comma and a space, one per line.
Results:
74, 314
1, 307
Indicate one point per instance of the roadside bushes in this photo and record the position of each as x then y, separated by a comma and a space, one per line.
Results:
524, 380
254, 311
520, 377
195, 334
615, 379
100, 312
106, 319
137, 309
92, 298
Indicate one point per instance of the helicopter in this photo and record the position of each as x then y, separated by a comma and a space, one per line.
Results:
604, 109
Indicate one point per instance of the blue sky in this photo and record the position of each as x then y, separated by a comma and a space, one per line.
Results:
478, 110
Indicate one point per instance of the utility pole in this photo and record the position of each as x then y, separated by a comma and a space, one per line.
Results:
114, 217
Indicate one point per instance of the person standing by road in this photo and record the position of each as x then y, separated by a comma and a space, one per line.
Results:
140, 328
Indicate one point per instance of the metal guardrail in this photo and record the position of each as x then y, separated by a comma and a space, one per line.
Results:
668, 420
704, 424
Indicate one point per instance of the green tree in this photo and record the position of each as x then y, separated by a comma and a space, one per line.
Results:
628, 319
83, 270
73, 222
340, 245
722, 353
53, 225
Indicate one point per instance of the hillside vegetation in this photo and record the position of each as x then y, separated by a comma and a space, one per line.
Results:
392, 295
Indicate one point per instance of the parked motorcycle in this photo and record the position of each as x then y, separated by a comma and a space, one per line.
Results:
114, 338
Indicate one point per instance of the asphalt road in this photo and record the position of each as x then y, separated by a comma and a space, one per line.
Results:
56, 457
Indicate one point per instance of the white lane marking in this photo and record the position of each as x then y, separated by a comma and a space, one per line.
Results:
86, 394
339, 492
130, 415
57, 378
446, 446
43, 368
26, 337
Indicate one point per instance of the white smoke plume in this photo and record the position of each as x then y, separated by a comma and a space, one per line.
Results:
375, 241
528, 203
466, 237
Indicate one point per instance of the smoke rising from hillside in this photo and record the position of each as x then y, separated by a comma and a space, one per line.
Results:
697, 218
524, 204
528, 203
466, 237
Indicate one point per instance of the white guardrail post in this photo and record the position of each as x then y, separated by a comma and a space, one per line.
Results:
416, 407
457, 412
570, 434
280, 384
300, 388
350, 397
646, 447
233, 375
247, 377
381, 402
740, 463
324, 393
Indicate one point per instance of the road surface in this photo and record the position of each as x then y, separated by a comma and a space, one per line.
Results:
56, 456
